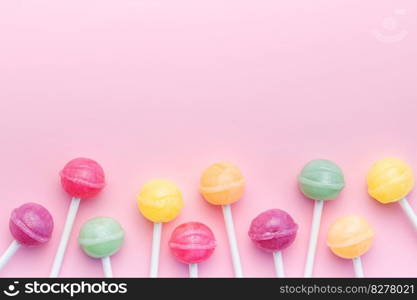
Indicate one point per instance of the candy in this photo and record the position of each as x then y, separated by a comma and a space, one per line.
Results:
83, 178
222, 183
160, 200
31, 224
321, 179
192, 243
350, 236
273, 230
100, 237
389, 180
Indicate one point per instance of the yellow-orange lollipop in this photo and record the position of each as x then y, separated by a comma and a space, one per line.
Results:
350, 237
159, 200
222, 183
391, 180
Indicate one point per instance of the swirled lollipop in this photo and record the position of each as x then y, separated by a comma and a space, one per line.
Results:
81, 178
391, 180
320, 180
31, 225
272, 231
350, 237
159, 201
101, 237
223, 184
192, 243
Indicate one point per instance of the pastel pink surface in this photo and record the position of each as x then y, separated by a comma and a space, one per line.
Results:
83, 178
162, 88
192, 243
273, 230
31, 224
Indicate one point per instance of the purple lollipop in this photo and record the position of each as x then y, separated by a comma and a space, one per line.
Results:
273, 231
31, 225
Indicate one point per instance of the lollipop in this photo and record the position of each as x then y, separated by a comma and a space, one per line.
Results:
159, 201
223, 184
100, 238
350, 237
81, 178
192, 243
31, 225
272, 231
390, 180
319, 180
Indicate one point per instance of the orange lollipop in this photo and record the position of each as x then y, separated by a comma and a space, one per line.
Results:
223, 184
350, 237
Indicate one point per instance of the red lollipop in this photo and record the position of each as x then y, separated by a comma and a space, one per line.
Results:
192, 243
81, 178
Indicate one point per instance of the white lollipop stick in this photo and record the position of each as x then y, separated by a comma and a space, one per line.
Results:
156, 242
279, 265
59, 256
409, 212
193, 269
314, 234
105, 261
357, 266
10, 251
230, 228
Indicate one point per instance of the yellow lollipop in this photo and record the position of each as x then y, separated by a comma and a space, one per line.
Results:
223, 184
159, 200
391, 180
350, 237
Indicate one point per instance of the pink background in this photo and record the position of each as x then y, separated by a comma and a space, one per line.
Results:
162, 88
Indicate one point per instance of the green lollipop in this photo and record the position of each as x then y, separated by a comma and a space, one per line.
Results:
101, 237
320, 180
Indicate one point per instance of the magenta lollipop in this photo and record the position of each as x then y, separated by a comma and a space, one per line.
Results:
81, 178
31, 225
273, 231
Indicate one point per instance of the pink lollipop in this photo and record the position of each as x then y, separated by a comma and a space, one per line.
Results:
192, 243
81, 178
31, 225
273, 231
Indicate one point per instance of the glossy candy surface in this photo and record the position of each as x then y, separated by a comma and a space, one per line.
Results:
389, 180
321, 179
222, 183
101, 237
273, 230
160, 200
31, 224
192, 243
350, 236
83, 178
